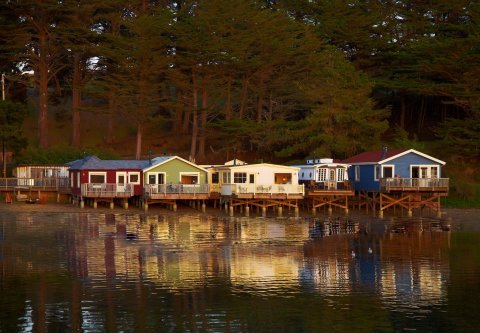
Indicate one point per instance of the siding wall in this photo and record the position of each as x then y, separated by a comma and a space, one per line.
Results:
401, 167
173, 168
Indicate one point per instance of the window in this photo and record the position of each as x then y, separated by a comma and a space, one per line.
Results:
304, 175
340, 175
226, 177
424, 171
156, 178
377, 172
72, 178
78, 179
239, 177
387, 171
97, 177
357, 173
189, 179
215, 178
134, 177
322, 175
252, 178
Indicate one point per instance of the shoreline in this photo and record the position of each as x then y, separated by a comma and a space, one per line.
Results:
454, 214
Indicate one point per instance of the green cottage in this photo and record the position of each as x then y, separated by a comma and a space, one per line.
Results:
171, 178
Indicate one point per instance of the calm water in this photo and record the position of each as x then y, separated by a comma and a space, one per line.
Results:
92, 272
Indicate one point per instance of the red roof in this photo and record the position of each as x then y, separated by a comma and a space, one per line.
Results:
373, 156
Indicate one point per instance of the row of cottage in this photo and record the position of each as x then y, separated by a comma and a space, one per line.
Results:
325, 182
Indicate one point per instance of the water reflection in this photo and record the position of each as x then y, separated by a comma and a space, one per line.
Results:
114, 272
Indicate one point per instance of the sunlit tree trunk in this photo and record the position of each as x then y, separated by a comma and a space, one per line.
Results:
203, 125
193, 144
76, 99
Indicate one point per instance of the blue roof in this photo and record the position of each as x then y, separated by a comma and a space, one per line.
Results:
94, 163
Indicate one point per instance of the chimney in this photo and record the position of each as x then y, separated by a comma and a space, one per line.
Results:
384, 152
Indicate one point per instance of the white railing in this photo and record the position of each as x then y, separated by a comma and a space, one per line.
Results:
231, 189
99, 190
36, 183
414, 183
155, 189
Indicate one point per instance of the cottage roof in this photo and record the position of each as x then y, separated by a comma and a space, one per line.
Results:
94, 163
385, 155
162, 159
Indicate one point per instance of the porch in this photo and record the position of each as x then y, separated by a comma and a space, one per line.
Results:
414, 184
176, 191
263, 191
102, 190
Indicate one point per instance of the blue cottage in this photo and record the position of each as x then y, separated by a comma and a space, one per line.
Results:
380, 171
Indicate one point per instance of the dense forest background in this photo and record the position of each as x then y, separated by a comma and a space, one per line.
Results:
271, 80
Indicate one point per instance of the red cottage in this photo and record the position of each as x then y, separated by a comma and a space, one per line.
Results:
95, 180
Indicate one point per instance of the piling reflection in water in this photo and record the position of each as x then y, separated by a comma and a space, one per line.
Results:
94, 272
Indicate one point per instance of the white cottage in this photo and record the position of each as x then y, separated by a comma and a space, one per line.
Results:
256, 179
323, 174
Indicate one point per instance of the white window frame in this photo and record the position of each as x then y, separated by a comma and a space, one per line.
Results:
377, 170
226, 177
78, 178
156, 177
196, 174
340, 174
322, 175
388, 166
429, 170
357, 173
97, 173
242, 175
133, 174
72, 179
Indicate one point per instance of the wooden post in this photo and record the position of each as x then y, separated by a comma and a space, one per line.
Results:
111, 204
174, 206
247, 211
264, 211
297, 213
280, 211
204, 207
95, 203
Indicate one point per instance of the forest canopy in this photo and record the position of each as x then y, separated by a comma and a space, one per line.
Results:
274, 79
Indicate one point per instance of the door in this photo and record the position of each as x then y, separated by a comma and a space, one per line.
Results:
121, 181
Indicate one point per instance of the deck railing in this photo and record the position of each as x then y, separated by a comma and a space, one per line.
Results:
52, 183
329, 185
100, 190
231, 189
151, 190
387, 184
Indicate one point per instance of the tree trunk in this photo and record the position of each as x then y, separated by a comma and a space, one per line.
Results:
193, 144
228, 108
403, 111
260, 101
43, 92
112, 109
177, 125
138, 149
203, 126
76, 100
243, 101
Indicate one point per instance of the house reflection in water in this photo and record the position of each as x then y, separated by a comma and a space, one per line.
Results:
405, 270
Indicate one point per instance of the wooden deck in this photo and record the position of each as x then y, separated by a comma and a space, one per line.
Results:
414, 185
106, 191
